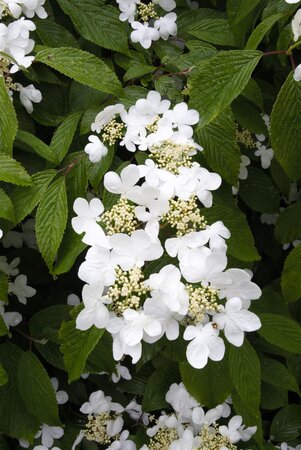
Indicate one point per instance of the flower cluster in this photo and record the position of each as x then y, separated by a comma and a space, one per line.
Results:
188, 426
148, 19
16, 45
157, 216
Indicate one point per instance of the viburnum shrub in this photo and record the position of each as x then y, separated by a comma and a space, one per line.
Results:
150, 221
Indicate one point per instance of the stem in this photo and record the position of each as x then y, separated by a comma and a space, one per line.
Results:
275, 52
289, 50
70, 166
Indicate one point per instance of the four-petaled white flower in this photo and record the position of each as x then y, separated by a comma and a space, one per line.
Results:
28, 95
94, 312
96, 150
48, 434
166, 25
20, 289
144, 34
235, 431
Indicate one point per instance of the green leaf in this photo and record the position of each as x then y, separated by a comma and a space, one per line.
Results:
63, 136
137, 71
223, 77
15, 418
248, 116
36, 389
285, 130
101, 358
51, 220
290, 277
96, 171
8, 121
220, 148
11, 171
244, 368
214, 31
82, 67
34, 143
77, 345
261, 30
275, 373
71, 247
253, 93
53, 34
241, 243
272, 397
250, 418
98, 23
288, 225
25, 199
286, 425
281, 331
6, 207
3, 376
3, 287
3, 328
158, 385
259, 192
211, 385
238, 9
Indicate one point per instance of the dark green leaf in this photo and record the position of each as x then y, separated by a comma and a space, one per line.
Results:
8, 120
281, 331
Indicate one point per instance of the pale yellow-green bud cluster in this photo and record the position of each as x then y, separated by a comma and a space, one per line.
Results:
147, 11
120, 218
96, 428
202, 299
170, 155
127, 290
4, 71
153, 127
4, 10
245, 138
163, 439
212, 440
112, 132
184, 216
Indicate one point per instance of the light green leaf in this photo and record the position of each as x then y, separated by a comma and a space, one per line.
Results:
77, 345
244, 368
33, 142
98, 23
3, 376
36, 389
25, 199
290, 277
211, 385
281, 331
220, 148
241, 243
214, 31
6, 207
82, 67
259, 192
8, 121
286, 425
288, 225
63, 136
261, 30
53, 34
137, 71
3, 328
51, 220
11, 171
285, 129
275, 373
15, 418
223, 77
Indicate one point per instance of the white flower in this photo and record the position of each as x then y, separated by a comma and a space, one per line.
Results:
296, 25
12, 239
48, 434
144, 34
182, 117
20, 289
243, 171
121, 372
128, 11
87, 212
266, 155
122, 443
96, 149
181, 401
105, 116
73, 300
98, 266
9, 268
152, 105
167, 5
99, 403
234, 320
42, 447
11, 319
156, 308
269, 219
201, 264
186, 442
95, 312
204, 344
123, 184
61, 396
166, 25
235, 430
205, 182
135, 412
291, 2
28, 95
28, 7
297, 73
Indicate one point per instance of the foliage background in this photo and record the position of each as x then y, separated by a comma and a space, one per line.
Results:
84, 62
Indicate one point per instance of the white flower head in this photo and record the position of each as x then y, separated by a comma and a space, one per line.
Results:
61, 396
96, 150
29, 95
144, 34
166, 25
48, 434
20, 288
105, 116
297, 73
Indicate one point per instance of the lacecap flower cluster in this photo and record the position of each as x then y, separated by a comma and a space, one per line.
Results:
187, 426
155, 266
16, 45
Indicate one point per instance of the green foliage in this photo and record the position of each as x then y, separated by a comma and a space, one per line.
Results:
281, 331
290, 281
12, 171
8, 121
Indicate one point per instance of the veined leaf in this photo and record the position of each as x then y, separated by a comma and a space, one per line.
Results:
63, 136
261, 30
11, 171
8, 121
6, 207
281, 331
288, 225
36, 144
290, 277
